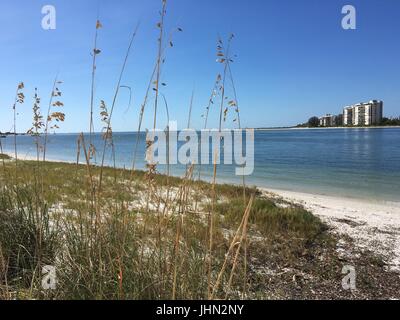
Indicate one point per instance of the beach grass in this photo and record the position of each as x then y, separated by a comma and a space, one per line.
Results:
157, 249
50, 220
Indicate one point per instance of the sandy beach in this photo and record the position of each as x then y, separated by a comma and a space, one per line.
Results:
371, 224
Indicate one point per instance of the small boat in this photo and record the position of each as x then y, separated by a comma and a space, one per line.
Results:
3, 136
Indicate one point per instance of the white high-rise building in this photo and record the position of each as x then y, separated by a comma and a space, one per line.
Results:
330, 120
327, 121
348, 116
363, 114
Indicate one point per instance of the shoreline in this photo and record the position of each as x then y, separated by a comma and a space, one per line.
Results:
222, 180
323, 128
255, 129
298, 249
372, 225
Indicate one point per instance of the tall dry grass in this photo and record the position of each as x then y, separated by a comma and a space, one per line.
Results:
110, 233
19, 99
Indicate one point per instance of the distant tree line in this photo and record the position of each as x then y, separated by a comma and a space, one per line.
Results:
7, 133
313, 122
390, 121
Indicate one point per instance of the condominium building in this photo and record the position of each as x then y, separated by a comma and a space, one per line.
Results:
363, 114
326, 121
339, 120
331, 120
348, 116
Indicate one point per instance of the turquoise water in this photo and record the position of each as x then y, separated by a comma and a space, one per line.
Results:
358, 163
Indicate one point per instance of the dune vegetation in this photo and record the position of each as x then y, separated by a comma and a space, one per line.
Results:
129, 243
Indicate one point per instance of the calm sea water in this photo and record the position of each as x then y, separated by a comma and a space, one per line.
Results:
358, 163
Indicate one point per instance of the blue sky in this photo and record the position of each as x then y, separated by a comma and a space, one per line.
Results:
294, 59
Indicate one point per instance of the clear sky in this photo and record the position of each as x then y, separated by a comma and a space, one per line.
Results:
294, 59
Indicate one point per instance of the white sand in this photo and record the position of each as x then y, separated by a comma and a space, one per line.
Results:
31, 156
373, 225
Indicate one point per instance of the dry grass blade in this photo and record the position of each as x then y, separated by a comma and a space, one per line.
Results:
48, 118
19, 99
114, 101
95, 53
241, 230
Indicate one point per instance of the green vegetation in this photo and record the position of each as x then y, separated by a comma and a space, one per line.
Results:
390, 121
313, 122
116, 247
129, 244
272, 219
